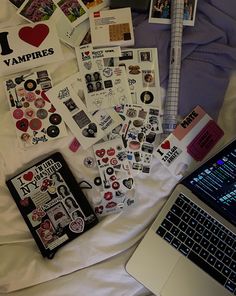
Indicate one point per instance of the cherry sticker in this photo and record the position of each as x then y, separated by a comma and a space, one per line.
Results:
100, 153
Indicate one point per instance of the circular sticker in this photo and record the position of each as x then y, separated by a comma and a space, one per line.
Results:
113, 161
39, 103
107, 72
89, 162
108, 195
109, 171
97, 181
30, 85
18, 113
53, 131
134, 145
147, 97
35, 124
42, 113
55, 119
115, 185
77, 225
30, 96
137, 122
29, 113
26, 104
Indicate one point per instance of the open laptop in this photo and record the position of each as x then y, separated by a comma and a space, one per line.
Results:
190, 249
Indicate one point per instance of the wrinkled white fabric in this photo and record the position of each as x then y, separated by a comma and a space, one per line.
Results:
94, 263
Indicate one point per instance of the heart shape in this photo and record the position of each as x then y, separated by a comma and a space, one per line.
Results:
34, 36
111, 152
28, 176
29, 113
22, 124
165, 145
100, 153
24, 202
128, 183
86, 53
105, 159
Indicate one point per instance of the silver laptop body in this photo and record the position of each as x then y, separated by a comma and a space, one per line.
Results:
165, 265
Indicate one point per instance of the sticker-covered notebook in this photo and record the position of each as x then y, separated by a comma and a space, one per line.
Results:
51, 203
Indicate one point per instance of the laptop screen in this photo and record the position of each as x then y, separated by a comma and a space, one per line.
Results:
214, 182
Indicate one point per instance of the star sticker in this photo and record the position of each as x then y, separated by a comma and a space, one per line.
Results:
132, 136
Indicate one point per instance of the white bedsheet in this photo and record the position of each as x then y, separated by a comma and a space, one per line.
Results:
94, 263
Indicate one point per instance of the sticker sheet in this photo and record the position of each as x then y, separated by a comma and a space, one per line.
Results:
139, 131
142, 69
35, 118
75, 114
115, 176
189, 143
112, 27
17, 3
108, 118
160, 12
28, 46
55, 209
103, 84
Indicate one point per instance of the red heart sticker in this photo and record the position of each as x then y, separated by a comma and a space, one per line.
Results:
165, 145
22, 124
86, 53
111, 152
28, 176
34, 36
100, 153
105, 159
108, 195
24, 202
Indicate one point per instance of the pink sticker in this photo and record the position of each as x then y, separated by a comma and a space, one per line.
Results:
18, 114
205, 140
74, 145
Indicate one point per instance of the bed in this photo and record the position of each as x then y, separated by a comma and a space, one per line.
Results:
94, 263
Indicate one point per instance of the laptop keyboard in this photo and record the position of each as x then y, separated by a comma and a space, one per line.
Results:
202, 239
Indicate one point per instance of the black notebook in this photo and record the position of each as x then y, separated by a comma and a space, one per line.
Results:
52, 204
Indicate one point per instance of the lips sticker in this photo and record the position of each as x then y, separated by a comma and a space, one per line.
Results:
34, 36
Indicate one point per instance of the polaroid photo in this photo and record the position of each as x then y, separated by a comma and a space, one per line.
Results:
160, 12
74, 10
37, 11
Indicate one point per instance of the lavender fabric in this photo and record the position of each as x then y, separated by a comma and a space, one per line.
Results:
208, 54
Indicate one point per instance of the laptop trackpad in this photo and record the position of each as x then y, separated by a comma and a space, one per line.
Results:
187, 279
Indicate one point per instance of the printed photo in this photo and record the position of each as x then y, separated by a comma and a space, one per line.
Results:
37, 10
58, 215
70, 204
81, 119
77, 214
70, 104
145, 56
72, 9
126, 55
63, 191
46, 233
94, 82
160, 12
